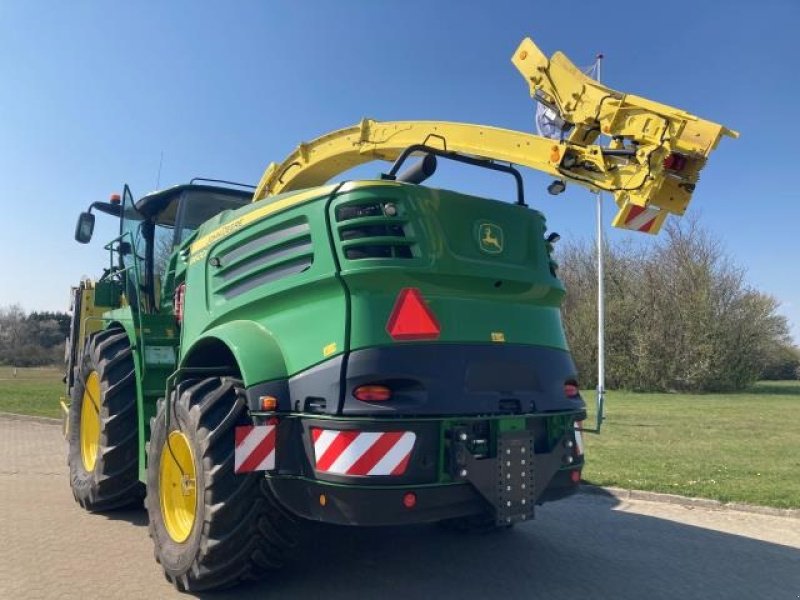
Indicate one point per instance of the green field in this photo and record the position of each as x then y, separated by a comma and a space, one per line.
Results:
32, 391
741, 447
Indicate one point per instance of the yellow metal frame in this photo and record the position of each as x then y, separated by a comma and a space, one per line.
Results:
650, 130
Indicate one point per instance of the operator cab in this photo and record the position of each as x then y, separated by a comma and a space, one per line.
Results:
152, 227
161, 221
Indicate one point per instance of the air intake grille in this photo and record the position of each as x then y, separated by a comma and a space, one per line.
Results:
266, 257
367, 231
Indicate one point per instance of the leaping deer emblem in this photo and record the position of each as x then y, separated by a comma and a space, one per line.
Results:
490, 240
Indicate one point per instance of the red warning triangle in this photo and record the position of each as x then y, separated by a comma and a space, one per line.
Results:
411, 319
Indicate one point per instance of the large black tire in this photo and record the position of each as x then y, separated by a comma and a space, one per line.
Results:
239, 532
112, 482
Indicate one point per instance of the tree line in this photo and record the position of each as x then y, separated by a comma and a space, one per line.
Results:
32, 339
679, 316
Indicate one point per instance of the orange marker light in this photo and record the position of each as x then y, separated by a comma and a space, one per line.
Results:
523, 55
115, 199
555, 154
268, 402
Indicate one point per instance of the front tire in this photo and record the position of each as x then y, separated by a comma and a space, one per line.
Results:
210, 527
103, 433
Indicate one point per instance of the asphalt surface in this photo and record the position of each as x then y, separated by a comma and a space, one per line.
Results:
589, 546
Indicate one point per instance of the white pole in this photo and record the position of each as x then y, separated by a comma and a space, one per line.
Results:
601, 304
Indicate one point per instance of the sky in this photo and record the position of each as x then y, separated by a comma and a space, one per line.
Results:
93, 94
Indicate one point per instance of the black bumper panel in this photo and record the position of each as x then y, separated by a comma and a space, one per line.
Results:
376, 506
461, 379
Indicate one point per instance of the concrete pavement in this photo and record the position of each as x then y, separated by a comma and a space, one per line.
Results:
588, 546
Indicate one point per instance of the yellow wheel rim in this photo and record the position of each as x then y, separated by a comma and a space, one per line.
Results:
90, 421
176, 486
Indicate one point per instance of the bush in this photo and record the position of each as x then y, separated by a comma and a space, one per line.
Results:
679, 315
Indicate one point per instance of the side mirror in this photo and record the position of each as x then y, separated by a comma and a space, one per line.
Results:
553, 238
84, 228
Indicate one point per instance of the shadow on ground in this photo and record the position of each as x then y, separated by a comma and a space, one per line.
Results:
576, 547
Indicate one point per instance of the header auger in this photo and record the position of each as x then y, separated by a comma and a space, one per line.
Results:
650, 164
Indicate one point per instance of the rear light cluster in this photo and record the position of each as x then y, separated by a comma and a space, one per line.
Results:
372, 393
675, 162
178, 301
571, 389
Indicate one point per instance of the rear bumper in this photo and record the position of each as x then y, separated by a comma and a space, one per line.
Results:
444, 473
356, 505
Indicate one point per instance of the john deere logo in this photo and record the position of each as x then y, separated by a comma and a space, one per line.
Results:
490, 238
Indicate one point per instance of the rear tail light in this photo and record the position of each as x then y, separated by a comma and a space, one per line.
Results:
372, 393
177, 302
675, 162
571, 389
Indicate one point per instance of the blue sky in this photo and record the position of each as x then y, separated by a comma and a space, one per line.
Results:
92, 93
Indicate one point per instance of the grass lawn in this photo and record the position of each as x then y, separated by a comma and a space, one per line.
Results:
32, 392
740, 447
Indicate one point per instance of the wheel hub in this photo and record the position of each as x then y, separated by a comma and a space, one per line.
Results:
90, 421
177, 488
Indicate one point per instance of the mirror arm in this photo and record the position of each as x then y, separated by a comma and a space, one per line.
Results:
115, 210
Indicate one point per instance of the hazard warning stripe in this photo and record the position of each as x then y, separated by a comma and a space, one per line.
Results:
362, 452
641, 219
255, 448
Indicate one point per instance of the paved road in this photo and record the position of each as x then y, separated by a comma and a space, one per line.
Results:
589, 547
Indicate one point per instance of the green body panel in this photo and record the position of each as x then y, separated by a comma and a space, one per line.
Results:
254, 347
476, 296
280, 273
297, 303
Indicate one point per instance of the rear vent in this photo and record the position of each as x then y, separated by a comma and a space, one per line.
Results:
373, 231
263, 258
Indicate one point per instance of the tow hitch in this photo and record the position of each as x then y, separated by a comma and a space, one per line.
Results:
507, 480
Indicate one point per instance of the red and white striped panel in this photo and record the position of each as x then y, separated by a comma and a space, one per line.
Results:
641, 219
255, 448
362, 452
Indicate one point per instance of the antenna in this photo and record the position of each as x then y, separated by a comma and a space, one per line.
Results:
160, 162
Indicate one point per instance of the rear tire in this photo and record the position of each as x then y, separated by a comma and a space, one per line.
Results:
104, 445
237, 530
